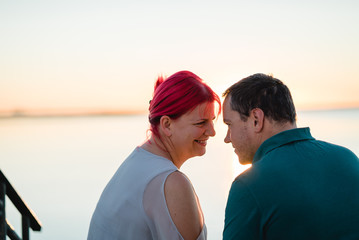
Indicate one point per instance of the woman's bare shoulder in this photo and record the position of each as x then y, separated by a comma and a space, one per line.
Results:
183, 205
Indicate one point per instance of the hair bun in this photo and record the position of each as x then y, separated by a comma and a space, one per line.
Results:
160, 80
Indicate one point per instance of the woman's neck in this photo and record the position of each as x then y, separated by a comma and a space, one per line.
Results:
155, 145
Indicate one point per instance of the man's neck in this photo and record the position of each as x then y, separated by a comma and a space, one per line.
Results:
274, 128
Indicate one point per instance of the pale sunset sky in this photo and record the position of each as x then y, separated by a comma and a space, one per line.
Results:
77, 54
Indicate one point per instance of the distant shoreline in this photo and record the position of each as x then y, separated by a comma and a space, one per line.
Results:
50, 114
54, 113
329, 109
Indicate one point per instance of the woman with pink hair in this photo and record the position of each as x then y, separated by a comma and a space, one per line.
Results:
148, 197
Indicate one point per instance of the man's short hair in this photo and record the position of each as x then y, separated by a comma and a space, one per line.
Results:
264, 92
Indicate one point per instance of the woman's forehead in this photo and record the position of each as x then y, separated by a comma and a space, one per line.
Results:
202, 111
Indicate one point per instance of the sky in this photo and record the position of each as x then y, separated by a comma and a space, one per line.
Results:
75, 54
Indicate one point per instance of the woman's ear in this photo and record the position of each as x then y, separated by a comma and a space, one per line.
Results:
165, 125
257, 115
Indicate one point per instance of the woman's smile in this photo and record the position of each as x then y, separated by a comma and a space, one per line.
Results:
202, 142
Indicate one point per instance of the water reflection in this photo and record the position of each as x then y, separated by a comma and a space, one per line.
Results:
70, 160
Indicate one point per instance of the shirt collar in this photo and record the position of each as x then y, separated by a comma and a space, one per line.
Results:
280, 139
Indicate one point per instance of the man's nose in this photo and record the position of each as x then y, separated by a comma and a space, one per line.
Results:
227, 139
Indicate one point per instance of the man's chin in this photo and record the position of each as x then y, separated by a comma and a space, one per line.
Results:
243, 161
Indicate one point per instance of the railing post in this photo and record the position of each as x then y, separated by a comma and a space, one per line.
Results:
29, 219
3, 225
25, 227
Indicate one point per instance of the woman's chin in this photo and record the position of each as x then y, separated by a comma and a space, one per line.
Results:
201, 153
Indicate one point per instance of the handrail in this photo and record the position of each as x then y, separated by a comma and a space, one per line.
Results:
29, 219
11, 232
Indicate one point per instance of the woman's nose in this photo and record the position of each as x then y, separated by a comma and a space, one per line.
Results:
210, 130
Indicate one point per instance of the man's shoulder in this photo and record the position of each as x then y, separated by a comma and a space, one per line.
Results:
248, 178
243, 176
336, 150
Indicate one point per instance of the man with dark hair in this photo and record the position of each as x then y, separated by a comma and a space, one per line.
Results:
298, 187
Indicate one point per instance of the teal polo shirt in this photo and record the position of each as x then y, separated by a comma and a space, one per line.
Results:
297, 188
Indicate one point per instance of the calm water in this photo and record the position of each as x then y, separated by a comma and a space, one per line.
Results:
61, 165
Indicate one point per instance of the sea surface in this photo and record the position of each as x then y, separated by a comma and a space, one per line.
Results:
60, 165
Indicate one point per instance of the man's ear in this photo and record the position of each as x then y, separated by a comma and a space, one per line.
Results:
257, 115
165, 125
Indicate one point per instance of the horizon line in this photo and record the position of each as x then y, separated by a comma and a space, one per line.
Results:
17, 113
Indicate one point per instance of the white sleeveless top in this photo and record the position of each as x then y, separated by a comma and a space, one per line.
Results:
133, 204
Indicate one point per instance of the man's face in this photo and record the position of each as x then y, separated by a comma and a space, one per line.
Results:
240, 133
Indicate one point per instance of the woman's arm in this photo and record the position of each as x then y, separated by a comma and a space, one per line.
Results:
182, 204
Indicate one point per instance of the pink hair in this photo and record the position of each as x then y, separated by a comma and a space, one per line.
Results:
177, 95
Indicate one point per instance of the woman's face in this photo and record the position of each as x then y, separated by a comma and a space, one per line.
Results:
191, 131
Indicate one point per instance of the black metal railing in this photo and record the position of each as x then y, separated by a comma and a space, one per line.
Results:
29, 219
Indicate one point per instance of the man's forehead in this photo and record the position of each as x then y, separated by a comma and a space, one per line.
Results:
227, 104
